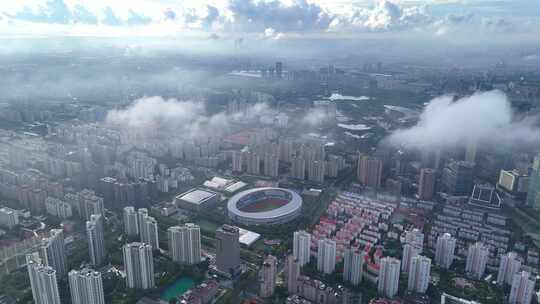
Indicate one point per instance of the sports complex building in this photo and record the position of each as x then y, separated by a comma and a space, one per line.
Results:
264, 206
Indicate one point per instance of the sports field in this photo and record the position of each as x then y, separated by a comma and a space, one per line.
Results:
264, 205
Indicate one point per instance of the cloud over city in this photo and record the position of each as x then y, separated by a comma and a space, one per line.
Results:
156, 116
484, 118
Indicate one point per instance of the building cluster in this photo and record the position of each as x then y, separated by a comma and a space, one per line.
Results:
306, 159
140, 224
469, 225
303, 289
352, 220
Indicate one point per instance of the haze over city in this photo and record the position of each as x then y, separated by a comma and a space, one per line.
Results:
270, 151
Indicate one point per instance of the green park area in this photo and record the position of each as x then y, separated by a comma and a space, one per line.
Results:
177, 288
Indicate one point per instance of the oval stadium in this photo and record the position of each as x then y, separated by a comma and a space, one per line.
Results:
264, 206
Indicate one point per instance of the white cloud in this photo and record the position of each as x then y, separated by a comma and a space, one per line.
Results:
385, 16
273, 18
155, 116
316, 116
485, 118
271, 33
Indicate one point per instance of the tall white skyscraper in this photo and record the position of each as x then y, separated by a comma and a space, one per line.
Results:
444, 251
388, 283
131, 222
419, 273
326, 256
353, 265
302, 247
267, 277
86, 287
409, 252
149, 231
139, 265
522, 288
477, 257
96, 241
508, 267
42, 281
185, 243
52, 252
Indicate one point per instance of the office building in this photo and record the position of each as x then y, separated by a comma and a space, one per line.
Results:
508, 266
513, 181
457, 178
228, 250
42, 281
139, 265
9, 218
96, 239
477, 257
298, 169
267, 277
388, 282
86, 287
369, 171
533, 193
326, 256
522, 288
419, 272
185, 243
426, 184
52, 252
353, 265
444, 250
302, 247
292, 273
131, 222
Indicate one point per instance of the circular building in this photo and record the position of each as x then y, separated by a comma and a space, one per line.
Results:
264, 206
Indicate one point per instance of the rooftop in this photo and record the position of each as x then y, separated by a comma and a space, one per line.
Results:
197, 195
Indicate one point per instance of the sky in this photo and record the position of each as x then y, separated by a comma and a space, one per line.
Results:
269, 19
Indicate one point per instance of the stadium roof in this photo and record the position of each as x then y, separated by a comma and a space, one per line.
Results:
294, 204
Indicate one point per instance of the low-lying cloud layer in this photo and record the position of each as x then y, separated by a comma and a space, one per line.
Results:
484, 118
163, 118
316, 117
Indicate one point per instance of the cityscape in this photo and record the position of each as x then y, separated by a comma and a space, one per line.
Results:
270, 152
